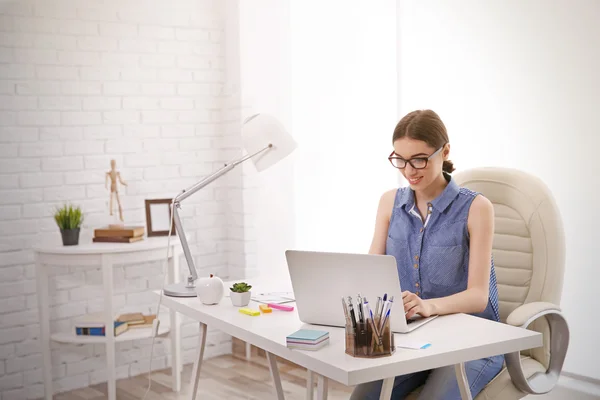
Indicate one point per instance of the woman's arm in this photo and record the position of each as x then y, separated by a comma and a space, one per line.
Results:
481, 231
382, 222
475, 298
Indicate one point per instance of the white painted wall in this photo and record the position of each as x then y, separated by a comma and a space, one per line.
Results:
517, 85
344, 109
79, 85
265, 87
335, 90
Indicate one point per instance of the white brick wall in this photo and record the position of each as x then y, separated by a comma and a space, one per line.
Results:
82, 83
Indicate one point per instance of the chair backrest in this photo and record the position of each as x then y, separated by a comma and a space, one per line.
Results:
529, 245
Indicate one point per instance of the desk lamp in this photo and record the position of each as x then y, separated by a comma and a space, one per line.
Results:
266, 142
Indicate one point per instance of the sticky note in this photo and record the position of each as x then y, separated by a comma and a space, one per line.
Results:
249, 311
265, 308
280, 307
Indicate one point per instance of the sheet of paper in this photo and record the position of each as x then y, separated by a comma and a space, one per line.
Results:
273, 297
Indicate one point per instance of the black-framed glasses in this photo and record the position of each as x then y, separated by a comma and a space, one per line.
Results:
416, 163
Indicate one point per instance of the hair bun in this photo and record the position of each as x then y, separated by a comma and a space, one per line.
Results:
448, 166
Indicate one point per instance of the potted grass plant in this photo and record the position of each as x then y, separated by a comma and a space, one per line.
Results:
240, 294
69, 220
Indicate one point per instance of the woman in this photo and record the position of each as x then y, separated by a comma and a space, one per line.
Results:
441, 236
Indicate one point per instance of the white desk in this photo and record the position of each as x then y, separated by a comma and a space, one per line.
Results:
455, 339
105, 255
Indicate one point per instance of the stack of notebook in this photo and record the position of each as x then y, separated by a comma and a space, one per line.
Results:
125, 234
137, 320
307, 339
93, 325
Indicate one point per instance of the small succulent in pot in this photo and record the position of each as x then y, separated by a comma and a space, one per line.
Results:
240, 294
69, 220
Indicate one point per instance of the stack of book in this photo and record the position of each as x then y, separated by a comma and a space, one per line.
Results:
137, 320
307, 339
93, 324
116, 234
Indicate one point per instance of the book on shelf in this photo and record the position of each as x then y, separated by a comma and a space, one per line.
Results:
131, 318
119, 328
116, 239
92, 324
125, 231
137, 320
147, 323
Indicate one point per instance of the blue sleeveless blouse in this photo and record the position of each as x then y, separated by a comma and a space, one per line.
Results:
433, 255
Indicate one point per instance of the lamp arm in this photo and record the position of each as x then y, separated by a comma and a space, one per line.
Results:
216, 175
190, 191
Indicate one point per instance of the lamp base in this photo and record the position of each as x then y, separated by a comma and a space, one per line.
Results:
180, 290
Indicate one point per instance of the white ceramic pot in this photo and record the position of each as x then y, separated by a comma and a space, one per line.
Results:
210, 290
240, 299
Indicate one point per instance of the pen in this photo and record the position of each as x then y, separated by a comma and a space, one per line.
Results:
360, 308
387, 313
377, 306
384, 307
353, 317
372, 321
346, 315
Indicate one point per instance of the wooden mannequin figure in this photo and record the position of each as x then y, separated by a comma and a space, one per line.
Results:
114, 176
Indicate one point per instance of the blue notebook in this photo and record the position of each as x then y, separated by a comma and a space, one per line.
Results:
307, 334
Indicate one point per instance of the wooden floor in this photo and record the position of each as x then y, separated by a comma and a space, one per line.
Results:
225, 377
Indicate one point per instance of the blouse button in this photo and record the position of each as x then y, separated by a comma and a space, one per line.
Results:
417, 293
421, 230
416, 265
417, 284
416, 257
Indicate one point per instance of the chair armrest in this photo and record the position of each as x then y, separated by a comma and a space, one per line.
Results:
523, 316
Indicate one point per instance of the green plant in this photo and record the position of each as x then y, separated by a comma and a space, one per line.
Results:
240, 287
68, 217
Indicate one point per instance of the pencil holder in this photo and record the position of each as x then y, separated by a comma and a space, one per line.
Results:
367, 341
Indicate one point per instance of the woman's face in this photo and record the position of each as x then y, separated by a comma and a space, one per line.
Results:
420, 154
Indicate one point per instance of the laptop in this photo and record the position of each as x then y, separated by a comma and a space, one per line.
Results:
320, 280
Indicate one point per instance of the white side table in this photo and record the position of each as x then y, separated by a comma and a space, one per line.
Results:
106, 255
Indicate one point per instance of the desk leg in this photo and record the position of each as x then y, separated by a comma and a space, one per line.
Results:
386, 389
198, 363
275, 374
463, 383
310, 384
322, 387
175, 334
248, 351
107, 280
42, 294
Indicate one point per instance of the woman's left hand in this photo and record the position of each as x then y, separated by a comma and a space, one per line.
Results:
413, 304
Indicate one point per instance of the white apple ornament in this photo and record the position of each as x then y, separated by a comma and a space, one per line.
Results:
210, 290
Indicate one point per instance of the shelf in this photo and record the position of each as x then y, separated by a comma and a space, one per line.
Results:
87, 247
131, 334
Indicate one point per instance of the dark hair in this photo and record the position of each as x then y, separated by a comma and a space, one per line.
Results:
427, 126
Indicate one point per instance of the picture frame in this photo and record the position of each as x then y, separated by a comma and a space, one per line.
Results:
158, 217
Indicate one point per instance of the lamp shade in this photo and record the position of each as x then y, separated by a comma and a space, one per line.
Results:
261, 130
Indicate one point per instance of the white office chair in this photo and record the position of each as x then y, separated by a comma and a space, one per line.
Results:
529, 256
